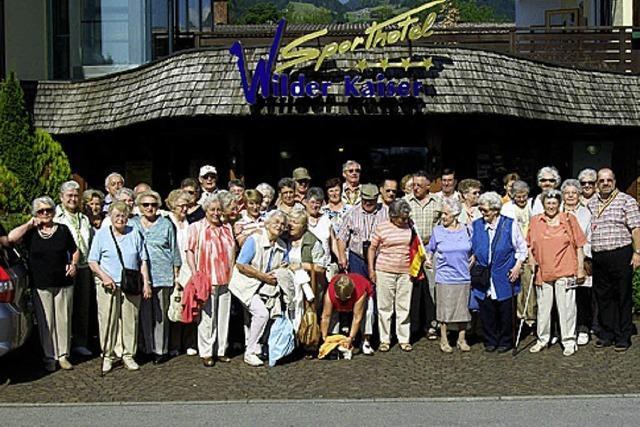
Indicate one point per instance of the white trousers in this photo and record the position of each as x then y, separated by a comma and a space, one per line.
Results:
566, 303
118, 330
259, 318
393, 292
213, 327
54, 308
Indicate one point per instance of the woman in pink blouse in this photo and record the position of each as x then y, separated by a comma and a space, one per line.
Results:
211, 250
388, 258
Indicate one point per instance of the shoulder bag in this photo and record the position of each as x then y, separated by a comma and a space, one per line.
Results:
131, 280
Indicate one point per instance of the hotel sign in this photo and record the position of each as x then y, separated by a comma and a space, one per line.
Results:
273, 79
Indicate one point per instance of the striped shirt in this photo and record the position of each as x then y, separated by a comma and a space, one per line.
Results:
214, 248
358, 225
425, 216
392, 246
611, 229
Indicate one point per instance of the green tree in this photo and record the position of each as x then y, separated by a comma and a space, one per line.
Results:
16, 134
50, 167
305, 13
12, 203
261, 13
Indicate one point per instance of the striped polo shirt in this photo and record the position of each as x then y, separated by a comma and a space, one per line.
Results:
392, 245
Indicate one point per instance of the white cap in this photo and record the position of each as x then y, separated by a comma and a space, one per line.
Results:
207, 169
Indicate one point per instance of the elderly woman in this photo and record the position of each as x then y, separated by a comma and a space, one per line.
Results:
194, 210
450, 244
334, 208
406, 184
92, 201
585, 299
182, 336
211, 250
320, 224
389, 259
112, 183
261, 253
115, 247
556, 241
230, 208
519, 209
470, 191
126, 196
69, 214
548, 179
268, 194
53, 260
250, 219
587, 178
164, 264
499, 250
286, 195
507, 182
306, 254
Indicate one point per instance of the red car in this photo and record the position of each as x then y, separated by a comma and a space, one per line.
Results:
15, 307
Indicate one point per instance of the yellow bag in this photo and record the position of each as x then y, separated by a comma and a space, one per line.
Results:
309, 330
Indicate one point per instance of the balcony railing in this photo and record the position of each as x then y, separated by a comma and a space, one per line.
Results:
592, 48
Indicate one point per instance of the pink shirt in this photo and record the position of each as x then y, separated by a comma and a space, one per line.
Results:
392, 244
217, 251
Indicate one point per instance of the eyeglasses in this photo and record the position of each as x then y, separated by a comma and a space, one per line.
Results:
209, 176
303, 181
149, 205
484, 210
353, 170
547, 180
182, 206
602, 181
584, 183
390, 190
44, 211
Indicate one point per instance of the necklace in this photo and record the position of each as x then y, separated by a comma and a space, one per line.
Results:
47, 235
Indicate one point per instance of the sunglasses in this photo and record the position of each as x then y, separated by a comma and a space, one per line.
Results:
547, 180
353, 170
484, 210
209, 176
149, 205
587, 182
390, 190
44, 211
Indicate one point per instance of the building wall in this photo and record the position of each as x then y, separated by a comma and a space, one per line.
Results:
531, 12
26, 29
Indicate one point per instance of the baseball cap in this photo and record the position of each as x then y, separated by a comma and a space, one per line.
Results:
208, 169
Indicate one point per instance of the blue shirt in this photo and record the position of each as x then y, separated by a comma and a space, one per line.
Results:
248, 251
452, 250
104, 252
162, 249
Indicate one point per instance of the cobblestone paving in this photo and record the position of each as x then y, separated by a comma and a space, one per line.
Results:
426, 372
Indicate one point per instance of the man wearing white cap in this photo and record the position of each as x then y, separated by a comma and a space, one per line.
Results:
208, 179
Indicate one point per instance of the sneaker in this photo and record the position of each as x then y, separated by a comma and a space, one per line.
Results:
537, 347
50, 365
130, 364
603, 343
192, 352
252, 359
82, 351
583, 338
622, 347
569, 351
346, 353
65, 364
107, 365
367, 349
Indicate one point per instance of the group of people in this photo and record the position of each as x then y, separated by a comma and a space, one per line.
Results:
348, 260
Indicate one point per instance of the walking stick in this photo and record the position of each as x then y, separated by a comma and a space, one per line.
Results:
526, 305
106, 335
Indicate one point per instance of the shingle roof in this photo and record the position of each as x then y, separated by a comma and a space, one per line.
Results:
207, 83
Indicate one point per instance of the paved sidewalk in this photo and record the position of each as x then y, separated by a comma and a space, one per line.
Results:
426, 372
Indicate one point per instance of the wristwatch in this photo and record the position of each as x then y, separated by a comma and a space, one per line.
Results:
637, 251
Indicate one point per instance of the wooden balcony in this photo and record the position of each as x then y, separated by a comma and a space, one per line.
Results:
592, 48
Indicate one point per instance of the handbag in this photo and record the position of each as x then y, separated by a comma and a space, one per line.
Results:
174, 313
309, 330
131, 280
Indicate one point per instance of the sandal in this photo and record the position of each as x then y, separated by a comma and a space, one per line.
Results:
406, 347
445, 347
432, 335
384, 347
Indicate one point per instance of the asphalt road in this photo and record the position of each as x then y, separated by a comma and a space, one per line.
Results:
521, 411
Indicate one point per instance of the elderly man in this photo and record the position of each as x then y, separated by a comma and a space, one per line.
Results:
449, 183
208, 178
548, 179
388, 191
425, 213
112, 183
351, 188
615, 232
587, 178
303, 180
69, 214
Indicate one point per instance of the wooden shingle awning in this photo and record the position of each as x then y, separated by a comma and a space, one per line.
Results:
206, 82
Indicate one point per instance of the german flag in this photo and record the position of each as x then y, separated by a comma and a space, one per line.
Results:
417, 255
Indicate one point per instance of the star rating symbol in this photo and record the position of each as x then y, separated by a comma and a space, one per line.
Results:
362, 65
427, 63
384, 64
405, 63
